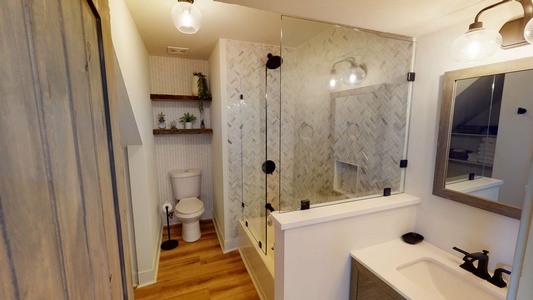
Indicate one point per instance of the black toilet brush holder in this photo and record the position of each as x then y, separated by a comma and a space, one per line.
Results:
170, 244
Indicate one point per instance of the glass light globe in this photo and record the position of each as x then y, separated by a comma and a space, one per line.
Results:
476, 44
355, 75
186, 17
528, 32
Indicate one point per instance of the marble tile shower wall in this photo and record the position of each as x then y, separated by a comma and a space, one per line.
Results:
174, 76
374, 141
307, 106
242, 59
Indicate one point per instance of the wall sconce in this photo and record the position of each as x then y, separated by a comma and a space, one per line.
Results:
186, 17
354, 76
480, 43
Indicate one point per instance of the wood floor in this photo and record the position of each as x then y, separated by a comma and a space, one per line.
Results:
199, 271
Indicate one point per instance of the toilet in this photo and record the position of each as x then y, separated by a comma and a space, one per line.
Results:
189, 209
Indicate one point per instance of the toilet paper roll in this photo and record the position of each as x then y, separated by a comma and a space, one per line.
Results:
165, 205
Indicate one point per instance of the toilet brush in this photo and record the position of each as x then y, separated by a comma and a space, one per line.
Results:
170, 244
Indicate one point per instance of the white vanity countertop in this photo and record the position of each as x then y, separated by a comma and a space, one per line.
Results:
384, 259
317, 215
467, 186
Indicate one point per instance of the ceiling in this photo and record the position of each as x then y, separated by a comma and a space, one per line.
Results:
258, 21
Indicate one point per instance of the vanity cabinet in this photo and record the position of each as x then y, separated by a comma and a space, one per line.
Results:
364, 285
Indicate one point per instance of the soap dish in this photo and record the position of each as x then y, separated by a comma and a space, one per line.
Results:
412, 238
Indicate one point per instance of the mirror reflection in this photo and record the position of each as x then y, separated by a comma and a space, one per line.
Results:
490, 137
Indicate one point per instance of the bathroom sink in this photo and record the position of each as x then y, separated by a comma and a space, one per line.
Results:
437, 278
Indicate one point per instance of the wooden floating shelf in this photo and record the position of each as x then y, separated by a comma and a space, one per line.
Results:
183, 98
183, 131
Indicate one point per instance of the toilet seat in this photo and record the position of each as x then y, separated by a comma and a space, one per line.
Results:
188, 206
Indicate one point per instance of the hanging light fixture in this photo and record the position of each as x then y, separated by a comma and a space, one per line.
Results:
186, 16
479, 43
355, 75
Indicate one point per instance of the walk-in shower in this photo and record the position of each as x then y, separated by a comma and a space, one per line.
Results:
318, 143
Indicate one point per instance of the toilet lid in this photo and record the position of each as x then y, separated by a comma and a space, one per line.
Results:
189, 205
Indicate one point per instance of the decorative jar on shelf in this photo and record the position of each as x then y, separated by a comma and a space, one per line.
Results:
194, 85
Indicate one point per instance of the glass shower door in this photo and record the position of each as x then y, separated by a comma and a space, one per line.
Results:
254, 153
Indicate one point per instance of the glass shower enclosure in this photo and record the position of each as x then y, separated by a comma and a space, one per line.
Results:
326, 121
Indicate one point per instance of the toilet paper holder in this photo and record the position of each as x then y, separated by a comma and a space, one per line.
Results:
169, 244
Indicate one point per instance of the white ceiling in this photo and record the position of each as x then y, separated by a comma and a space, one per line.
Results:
259, 20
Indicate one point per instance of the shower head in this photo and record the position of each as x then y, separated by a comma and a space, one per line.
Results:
274, 61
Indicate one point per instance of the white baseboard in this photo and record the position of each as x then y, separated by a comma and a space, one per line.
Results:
228, 245
149, 277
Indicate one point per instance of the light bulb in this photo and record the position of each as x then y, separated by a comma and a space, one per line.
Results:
187, 19
333, 80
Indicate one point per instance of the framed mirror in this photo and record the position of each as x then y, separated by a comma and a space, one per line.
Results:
485, 141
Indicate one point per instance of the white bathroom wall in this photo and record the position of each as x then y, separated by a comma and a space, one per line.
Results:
515, 142
176, 151
133, 60
219, 153
443, 222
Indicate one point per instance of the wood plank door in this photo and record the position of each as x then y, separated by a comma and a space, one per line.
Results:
60, 197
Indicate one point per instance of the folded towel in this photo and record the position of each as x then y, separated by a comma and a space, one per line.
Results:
489, 163
472, 158
486, 150
487, 146
490, 139
482, 154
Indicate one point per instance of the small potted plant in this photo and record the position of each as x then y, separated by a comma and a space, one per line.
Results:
203, 94
187, 119
162, 124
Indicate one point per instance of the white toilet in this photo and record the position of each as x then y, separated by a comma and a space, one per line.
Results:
189, 209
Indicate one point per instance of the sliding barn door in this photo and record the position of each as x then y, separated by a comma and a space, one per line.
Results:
60, 199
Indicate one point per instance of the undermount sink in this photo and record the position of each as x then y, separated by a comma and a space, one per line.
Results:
424, 271
437, 278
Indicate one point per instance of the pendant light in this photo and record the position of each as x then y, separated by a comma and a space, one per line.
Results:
186, 17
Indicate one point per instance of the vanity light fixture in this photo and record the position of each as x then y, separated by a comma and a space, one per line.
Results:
480, 43
354, 76
186, 16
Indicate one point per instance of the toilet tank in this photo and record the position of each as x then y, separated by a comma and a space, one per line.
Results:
185, 183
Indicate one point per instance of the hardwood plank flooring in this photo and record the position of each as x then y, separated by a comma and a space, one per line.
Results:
199, 271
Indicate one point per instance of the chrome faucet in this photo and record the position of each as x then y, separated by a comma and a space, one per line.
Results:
481, 270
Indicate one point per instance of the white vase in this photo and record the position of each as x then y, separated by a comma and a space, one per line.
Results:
188, 125
194, 86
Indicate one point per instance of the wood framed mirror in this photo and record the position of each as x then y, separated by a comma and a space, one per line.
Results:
485, 140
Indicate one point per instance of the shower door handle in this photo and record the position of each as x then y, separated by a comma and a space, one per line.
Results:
269, 207
268, 167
